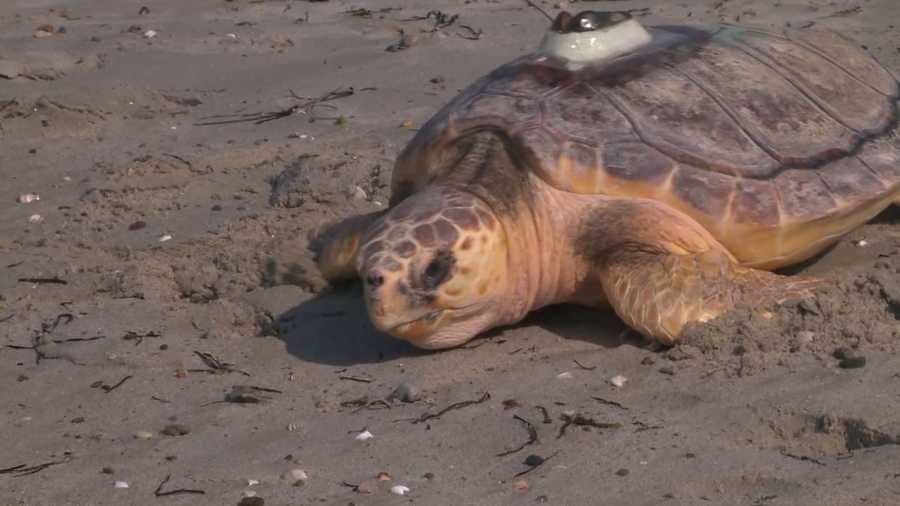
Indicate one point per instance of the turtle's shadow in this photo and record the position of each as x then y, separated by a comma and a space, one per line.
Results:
333, 328
823, 260
890, 216
597, 326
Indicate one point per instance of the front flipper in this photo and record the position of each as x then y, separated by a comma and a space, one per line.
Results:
658, 293
338, 244
661, 270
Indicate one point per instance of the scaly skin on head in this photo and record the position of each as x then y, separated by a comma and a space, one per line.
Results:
435, 269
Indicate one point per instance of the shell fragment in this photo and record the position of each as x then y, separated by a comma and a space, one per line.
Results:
400, 489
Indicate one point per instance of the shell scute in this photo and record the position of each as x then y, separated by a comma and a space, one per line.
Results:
755, 202
706, 191
636, 161
825, 81
499, 110
580, 113
676, 116
883, 159
544, 148
578, 166
851, 57
768, 107
849, 180
803, 194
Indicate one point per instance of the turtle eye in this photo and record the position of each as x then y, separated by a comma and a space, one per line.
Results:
438, 269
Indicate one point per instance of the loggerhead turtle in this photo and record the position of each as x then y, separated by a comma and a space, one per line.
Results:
663, 171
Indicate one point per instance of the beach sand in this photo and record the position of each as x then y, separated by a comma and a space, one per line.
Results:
161, 271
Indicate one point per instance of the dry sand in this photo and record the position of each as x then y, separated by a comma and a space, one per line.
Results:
750, 411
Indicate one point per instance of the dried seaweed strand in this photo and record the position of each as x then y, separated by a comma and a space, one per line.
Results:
454, 406
532, 437
159, 493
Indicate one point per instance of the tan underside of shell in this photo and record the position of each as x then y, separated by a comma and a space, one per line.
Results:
753, 244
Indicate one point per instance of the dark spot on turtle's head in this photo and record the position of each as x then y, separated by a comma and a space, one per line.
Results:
437, 270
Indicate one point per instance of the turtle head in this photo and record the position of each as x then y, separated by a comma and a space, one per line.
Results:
434, 269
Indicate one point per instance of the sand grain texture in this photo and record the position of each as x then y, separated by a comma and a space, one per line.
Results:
160, 238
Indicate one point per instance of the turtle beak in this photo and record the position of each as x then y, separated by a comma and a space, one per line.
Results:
393, 309
375, 295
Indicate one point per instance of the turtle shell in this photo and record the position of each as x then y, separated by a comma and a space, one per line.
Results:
776, 142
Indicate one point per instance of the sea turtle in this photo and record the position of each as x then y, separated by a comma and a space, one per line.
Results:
662, 171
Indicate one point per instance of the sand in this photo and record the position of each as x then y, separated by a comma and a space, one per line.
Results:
169, 263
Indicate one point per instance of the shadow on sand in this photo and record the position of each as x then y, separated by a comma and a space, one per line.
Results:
333, 328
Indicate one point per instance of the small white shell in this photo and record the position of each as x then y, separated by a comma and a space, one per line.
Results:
143, 434
565, 375
400, 489
251, 482
165, 237
35, 218
618, 381
120, 484
150, 34
299, 474
805, 336
27, 198
364, 436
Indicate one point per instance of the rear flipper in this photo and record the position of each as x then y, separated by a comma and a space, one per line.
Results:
337, 245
